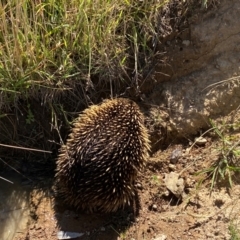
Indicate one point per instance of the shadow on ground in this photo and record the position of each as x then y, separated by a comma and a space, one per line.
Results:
102, 226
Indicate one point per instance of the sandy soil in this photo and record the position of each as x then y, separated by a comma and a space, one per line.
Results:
194, 215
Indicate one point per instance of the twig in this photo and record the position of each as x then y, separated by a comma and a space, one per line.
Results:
24, 148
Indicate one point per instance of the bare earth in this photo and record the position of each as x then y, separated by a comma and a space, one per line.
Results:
197, 215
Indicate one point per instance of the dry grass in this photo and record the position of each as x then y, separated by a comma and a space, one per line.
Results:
52, 46
56, 57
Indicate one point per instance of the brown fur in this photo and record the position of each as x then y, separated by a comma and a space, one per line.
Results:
106, 149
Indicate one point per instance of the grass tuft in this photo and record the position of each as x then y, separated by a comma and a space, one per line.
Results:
54, 45
234, 231
228, 151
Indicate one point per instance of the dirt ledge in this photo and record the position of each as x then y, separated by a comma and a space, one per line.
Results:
201, 79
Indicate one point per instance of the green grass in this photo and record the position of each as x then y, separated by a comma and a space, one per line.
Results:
54, 45
234, 232
228, 151
155, 180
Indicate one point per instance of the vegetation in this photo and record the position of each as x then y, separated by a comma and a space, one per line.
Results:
56, 45
228, 151
234, 231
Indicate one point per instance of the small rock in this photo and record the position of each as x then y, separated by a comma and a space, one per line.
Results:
102, 229
172, 167
174, 184
139, 186
187, 151
160, 237
166, 193
200, 141
68, 235
154, 207
176, 154
189, 183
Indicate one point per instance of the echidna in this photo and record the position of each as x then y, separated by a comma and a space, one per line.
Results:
106, 149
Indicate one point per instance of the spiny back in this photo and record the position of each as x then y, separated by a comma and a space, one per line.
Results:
108, 145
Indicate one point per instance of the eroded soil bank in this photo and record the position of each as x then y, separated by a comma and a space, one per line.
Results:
200, 80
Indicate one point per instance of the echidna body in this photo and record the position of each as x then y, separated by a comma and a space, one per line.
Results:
106, 149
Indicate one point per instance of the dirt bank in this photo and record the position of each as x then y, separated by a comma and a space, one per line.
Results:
200, 80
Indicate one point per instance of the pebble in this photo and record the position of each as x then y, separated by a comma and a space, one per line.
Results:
200, 141
166, 193
176, 154
189, 183
154, 207
68, 235
172, 167
174, 184
160, 237
139, 186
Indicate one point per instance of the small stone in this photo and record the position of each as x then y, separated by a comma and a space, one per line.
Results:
154, 207
172, 167
139, 186
187, 151
174, 184
160, 237
200, 141
176, 154
68, 235
102, 229
166, 193
188, 182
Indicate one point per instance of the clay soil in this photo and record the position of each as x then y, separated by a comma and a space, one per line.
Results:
197, 214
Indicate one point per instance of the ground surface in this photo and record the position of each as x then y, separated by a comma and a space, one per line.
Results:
184, 96
196, 215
